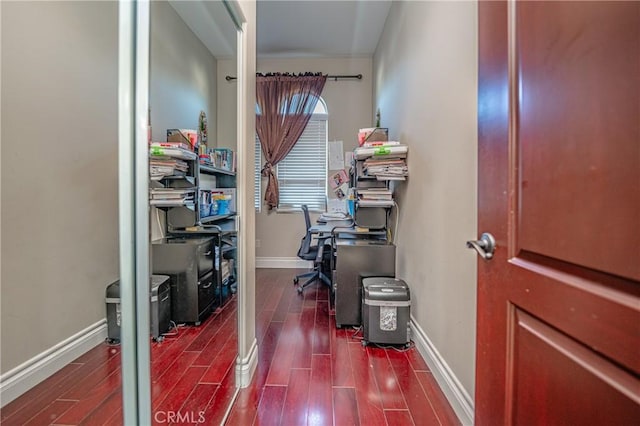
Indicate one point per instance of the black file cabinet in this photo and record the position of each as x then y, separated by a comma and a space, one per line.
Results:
195, 292
357, 259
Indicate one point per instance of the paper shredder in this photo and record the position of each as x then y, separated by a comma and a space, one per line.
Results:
386, 304
160, 308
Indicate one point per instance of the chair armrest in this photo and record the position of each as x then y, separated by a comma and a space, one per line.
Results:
321, 247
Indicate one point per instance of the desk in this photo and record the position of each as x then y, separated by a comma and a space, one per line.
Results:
354, 258
328, 227
340, 228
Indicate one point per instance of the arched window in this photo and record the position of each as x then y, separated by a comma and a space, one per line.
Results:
302, 174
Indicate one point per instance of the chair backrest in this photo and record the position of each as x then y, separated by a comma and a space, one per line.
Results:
305, 245
307, 219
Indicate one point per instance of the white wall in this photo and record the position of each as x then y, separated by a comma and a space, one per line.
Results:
183, 75
59, 171
183, 83
227, 104
425, 85
349, 103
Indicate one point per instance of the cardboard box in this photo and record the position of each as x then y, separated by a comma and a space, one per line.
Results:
371, 134
186, 136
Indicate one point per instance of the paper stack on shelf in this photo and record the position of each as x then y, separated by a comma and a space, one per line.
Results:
375, 194
382, 151
173, 145
168, 152
171, 196
386, 169
380, 143
384, 160
167, 159
160, 167
378, 197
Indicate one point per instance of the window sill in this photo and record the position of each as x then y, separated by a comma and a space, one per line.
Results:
288, 210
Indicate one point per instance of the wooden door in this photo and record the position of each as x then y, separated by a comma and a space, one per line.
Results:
558, 338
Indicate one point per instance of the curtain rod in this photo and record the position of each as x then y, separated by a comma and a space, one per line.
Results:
334, 77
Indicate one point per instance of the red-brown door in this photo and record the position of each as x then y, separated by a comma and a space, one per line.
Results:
558, 338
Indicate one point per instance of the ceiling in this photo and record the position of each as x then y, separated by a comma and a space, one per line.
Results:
292, 29
317, 28
211, 23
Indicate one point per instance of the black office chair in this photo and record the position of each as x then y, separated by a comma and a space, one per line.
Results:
315, 250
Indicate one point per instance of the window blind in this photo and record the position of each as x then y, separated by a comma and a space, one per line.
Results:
302, 175
257, 179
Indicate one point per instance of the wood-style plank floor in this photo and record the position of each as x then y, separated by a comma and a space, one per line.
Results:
309, 373
191, 372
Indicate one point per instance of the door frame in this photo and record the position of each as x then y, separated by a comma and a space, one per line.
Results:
133, 197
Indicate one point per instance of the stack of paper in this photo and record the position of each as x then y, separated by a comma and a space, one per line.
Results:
171, 145
370, 144
378, 197
171, 196
388, 151
386, 169
375, 194
159, 168
332, 216
173, 152
375, 203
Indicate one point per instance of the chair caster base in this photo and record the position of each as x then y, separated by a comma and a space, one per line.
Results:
295, 281
300, 290
364, 342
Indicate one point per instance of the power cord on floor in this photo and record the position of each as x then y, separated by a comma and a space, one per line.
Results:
174, 326
357, 335
406, 347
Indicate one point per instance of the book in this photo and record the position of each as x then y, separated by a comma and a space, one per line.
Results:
398, 151
172, 145
160, 151
375, 203
369, 144
169, 203
381, 177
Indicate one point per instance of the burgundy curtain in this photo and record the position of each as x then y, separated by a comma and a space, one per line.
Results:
285, 105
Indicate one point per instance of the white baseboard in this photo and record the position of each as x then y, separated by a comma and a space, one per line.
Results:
246, 366
20, 379
283, 262
456, 394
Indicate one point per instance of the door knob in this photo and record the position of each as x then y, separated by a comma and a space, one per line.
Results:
485, 246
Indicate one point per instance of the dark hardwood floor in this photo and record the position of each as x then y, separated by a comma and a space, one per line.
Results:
309, 372
192, 372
